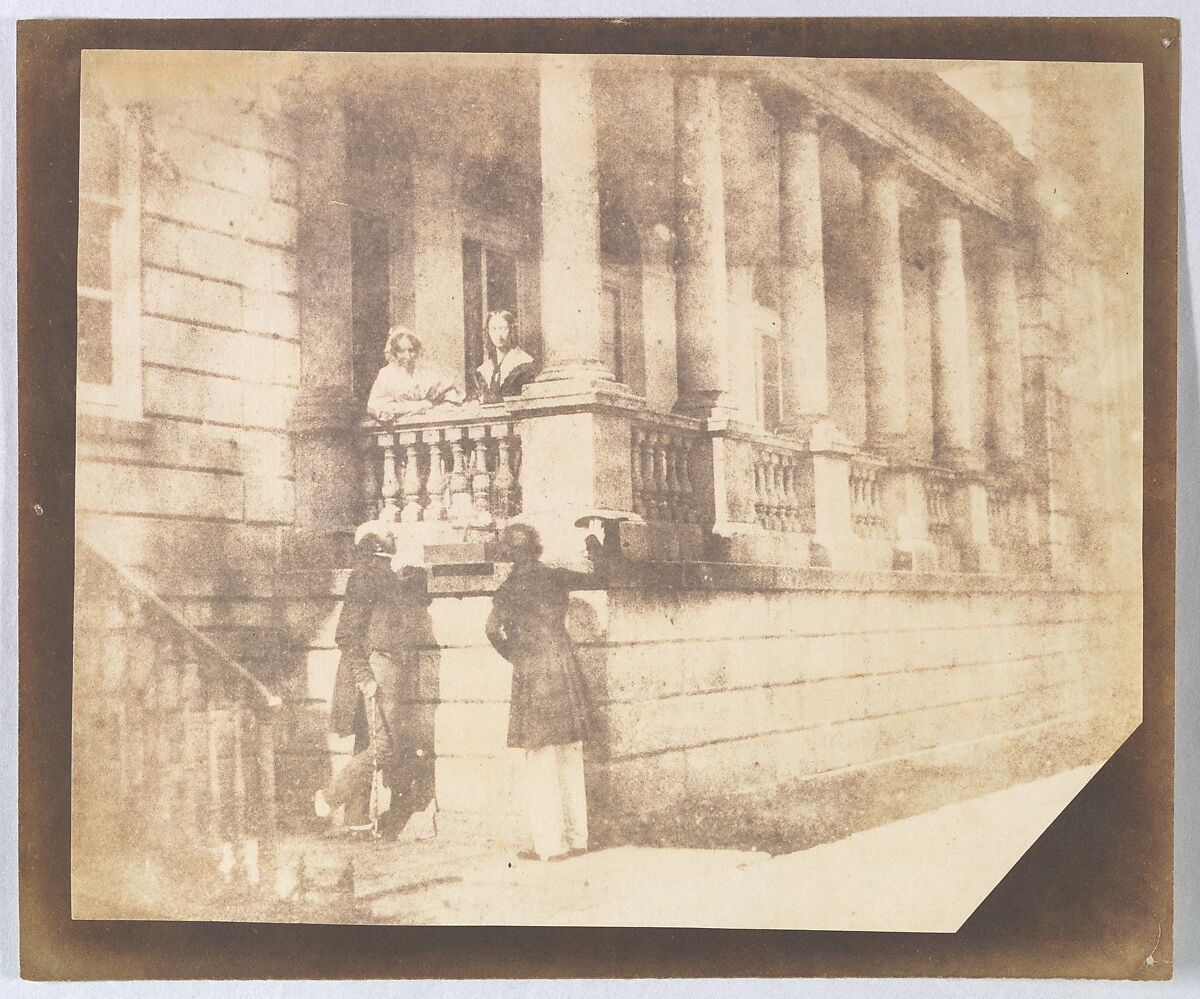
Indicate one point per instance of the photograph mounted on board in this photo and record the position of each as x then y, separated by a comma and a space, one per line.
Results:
598, 490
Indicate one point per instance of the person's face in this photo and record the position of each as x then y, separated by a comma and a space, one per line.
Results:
499, 333
405, 354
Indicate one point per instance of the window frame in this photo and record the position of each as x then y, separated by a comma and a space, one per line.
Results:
122, 397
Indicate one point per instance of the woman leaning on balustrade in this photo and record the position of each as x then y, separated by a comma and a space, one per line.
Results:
408, 384
507, 368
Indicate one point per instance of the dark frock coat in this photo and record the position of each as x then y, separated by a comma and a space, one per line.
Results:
382, 612
527, 626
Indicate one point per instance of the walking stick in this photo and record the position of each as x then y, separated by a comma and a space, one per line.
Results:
381, 795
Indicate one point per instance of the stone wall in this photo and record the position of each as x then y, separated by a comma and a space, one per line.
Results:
195, 488
718, 702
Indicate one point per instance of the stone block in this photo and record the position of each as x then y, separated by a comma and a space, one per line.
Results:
283, 180
208, 159
473, 674
479, 784
268, 312
267, 406
204, 398
191, 299
145, 489
465, 729
270, 500
729, 768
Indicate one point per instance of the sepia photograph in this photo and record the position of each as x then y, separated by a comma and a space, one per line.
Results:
598, 490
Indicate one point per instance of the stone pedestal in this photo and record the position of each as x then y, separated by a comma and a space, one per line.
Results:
973, 534
834, 542
905, 505
575, 460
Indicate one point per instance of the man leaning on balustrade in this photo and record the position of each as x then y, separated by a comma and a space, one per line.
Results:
408, 385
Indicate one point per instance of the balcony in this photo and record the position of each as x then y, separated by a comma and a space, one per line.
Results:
689, 489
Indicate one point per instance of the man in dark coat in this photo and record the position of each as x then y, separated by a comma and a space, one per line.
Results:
548, 717
381, 631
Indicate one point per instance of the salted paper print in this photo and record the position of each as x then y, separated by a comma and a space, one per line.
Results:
598, 490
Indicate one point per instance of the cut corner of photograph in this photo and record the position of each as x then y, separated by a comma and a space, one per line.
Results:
664, 491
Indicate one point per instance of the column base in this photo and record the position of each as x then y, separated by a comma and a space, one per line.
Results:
893, 446
959, 459
705, 405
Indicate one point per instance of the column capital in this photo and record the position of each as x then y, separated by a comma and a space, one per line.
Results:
874, 161
792, 111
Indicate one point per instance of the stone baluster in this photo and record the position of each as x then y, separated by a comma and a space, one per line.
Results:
647, 450
673, 490
411, 486
391, 486
662, 501
460, 485
687, 489
481, 480
370, 482
635, 469
504, 484
435, 486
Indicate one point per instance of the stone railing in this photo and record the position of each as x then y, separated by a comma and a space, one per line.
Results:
783, 494
939, 486
665, 468
174, 740
866, 496
1004, 525
461, 470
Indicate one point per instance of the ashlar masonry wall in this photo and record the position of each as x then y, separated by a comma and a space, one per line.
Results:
747, 705
195, 488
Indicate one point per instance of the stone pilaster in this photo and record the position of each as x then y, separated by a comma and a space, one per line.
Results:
701, 303
802, 258
1006, 418
322, 422
948, 342
884, 347
571, 272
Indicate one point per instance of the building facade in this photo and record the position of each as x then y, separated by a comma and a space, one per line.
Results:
812, 332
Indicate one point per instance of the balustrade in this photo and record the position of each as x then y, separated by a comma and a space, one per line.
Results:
783, 497
939, 507
866, 497
174, 742
466, 473
664, 473
1001, 515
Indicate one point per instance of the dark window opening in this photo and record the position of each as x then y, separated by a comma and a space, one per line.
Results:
490, 284
369, 295
612, 341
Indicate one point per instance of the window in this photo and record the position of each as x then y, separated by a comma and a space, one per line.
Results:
490, 283
612, 340
109, 261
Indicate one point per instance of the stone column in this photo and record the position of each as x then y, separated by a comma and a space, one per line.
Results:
701, 303
327, 497
1006, 418
948, 343
802, 257
571, 274
884, 347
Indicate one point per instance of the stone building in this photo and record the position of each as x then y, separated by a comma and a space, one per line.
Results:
814, 329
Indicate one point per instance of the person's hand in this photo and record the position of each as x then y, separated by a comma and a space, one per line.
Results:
369, 689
